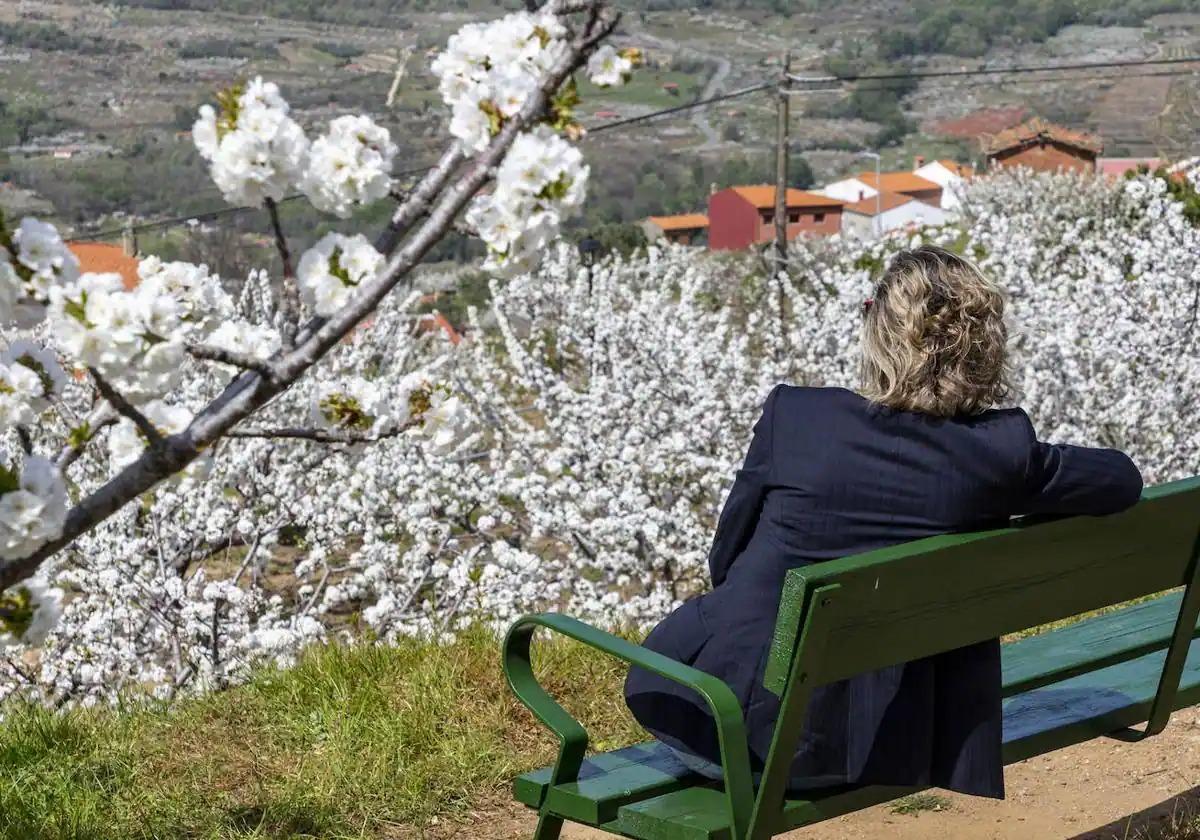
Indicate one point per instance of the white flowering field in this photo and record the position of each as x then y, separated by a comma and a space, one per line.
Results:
195, 482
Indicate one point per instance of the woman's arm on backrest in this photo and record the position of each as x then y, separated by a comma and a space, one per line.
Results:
1063, 479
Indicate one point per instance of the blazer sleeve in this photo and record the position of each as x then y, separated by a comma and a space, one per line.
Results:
1069, 480
744, 503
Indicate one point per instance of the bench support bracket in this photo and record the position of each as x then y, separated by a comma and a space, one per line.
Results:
1177, 652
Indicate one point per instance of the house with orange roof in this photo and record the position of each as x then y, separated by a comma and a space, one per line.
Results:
104, 258
947, 174
1043, 146
739, 217
685, 228
887, 211
864, 185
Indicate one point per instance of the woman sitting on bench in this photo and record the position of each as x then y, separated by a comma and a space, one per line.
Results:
830, 473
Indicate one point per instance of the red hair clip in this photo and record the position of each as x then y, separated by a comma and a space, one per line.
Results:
867, 305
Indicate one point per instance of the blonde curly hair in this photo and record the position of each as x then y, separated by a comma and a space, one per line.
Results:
934, 338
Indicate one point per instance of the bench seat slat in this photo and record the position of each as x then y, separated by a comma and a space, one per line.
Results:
643, 791
1091, 705
596, 799
613, 778
1086, 646
696, 813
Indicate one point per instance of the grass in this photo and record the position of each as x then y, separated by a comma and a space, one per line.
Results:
1183, 823
355, 742
919, 802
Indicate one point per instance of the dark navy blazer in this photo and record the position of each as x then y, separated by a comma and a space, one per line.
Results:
828, 475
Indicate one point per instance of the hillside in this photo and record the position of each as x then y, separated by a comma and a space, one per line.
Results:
98, 96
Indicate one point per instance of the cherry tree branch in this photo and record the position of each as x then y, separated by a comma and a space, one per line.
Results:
126, 409
289, 295
317, 435
245, 361
444, 190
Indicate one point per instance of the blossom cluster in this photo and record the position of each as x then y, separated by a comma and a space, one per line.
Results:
487, 74
331, 270
136, 338
257, 152
489, 70
350, 166
32, 506
34, 261
541, 182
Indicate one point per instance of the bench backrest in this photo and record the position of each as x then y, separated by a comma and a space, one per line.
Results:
933, 595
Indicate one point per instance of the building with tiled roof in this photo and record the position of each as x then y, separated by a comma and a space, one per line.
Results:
962, 170
947, 174
904, 183
743, 216
887, 211
763, 196
864, 185
684, 228
1043, 146
880, 203
103, 258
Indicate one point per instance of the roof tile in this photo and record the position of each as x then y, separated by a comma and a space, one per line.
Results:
1038, 129
887, 201
102, 258
683, 221
763, 197
898, 182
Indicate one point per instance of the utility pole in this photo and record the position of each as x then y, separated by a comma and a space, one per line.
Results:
129, 243
782, 108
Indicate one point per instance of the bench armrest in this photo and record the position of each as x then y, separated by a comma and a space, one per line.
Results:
573, 738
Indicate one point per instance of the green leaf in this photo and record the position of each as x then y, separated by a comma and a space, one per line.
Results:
79, 436
338, 270
9, 480
16, 611
495, 118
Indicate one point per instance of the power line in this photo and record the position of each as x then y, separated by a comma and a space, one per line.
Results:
608, 126
954, 85
991, 71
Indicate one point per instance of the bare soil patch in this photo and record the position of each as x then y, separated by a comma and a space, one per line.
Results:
983, 121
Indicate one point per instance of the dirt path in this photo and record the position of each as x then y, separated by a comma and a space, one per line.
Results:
714, 86
1101, 790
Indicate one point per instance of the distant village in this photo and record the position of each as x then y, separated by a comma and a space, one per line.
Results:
869, 204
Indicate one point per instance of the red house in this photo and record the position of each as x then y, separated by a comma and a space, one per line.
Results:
739, 217
1043, 146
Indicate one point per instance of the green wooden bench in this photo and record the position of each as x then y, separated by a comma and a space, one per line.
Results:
1099, 676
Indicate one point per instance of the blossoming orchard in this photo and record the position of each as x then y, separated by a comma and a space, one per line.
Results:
200, 475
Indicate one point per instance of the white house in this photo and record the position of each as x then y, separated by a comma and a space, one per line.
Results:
848, 189
888, 211
947, 174
866, 185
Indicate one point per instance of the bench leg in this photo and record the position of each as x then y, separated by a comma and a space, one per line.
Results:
548, 827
